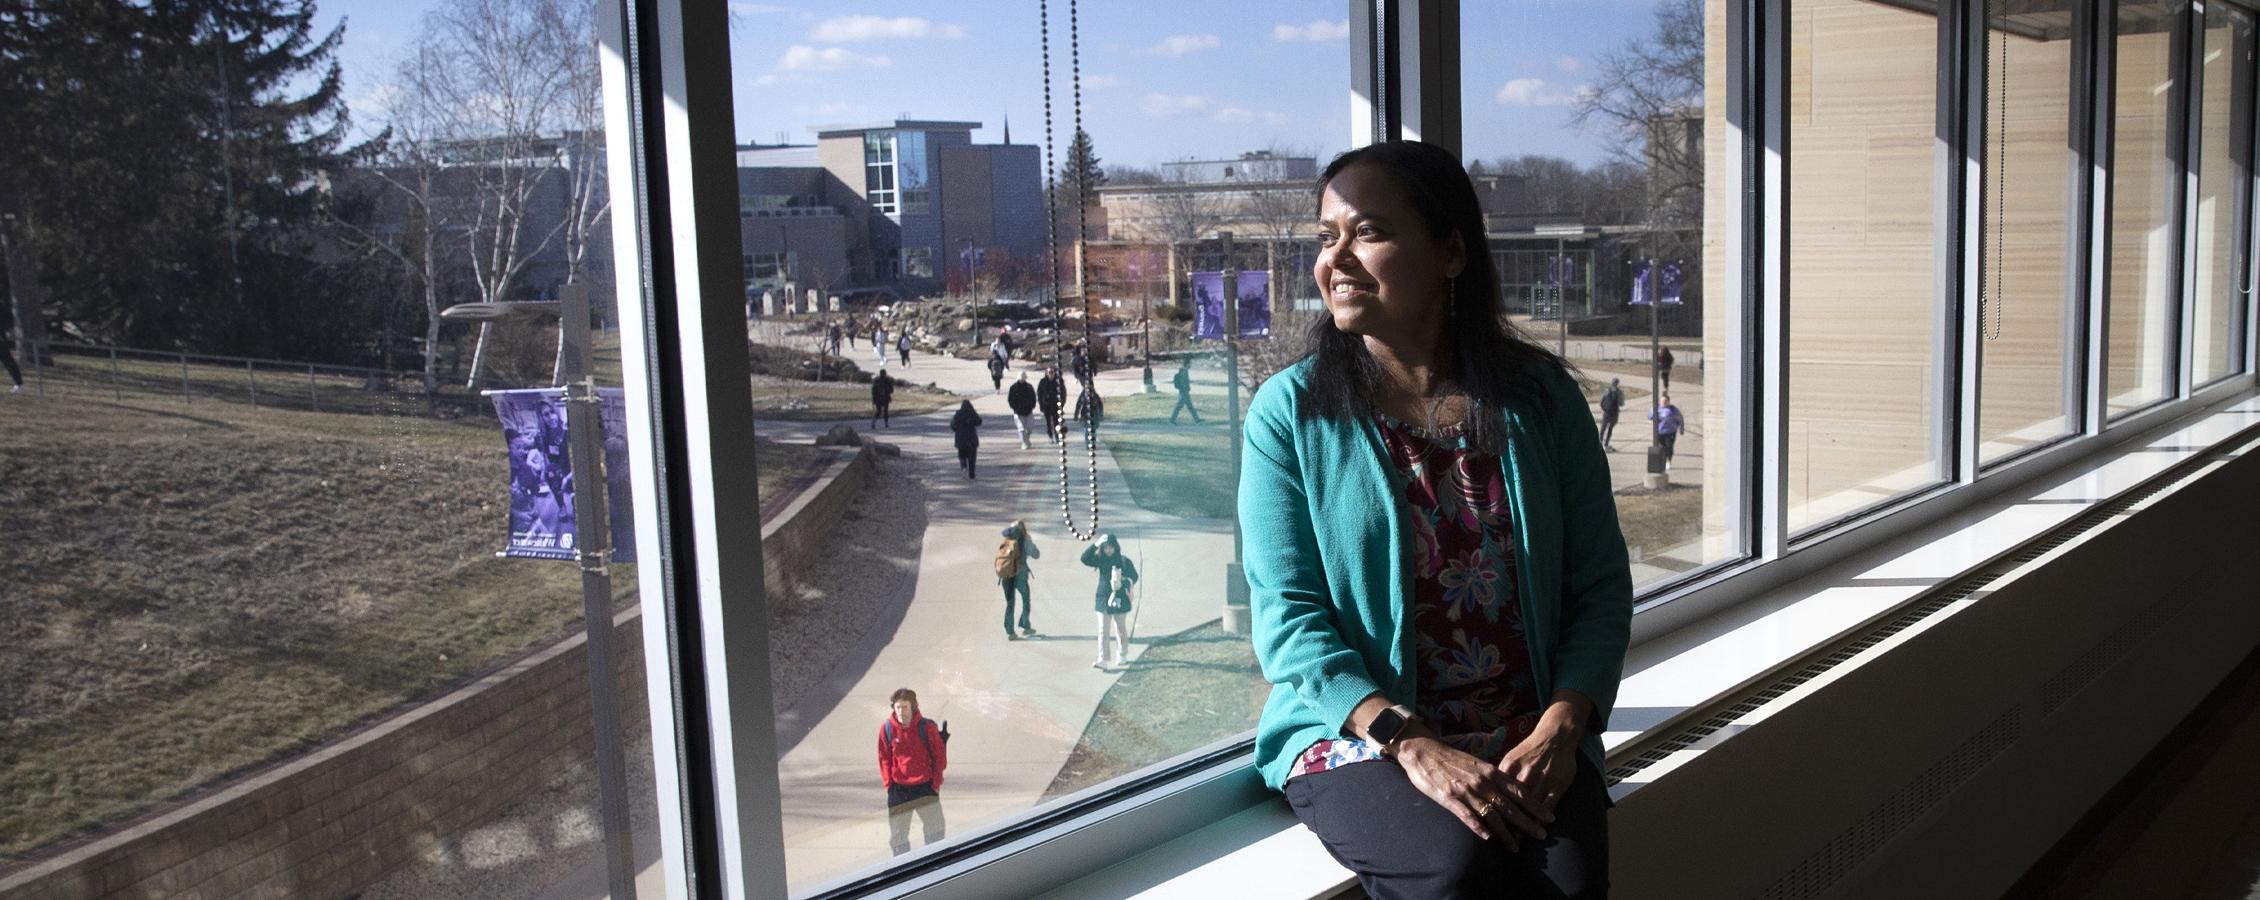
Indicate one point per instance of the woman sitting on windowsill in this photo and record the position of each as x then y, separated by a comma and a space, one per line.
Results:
1440, 593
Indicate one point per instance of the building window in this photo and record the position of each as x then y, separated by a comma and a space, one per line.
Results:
918, 262
2146, 187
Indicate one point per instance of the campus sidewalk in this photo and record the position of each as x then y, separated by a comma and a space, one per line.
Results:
1015, 708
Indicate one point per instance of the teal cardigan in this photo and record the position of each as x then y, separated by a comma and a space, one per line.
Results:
1326, 548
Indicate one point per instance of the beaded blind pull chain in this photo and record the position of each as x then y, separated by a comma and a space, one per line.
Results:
1051, 228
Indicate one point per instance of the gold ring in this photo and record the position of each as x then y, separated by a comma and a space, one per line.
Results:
1484, 811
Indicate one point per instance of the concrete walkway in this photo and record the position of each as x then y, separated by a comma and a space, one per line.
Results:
1015, 708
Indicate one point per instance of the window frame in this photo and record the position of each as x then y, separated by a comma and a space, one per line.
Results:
667, 96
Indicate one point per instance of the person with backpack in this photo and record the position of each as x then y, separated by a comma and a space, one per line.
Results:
1664, 364
882, 394
913, 753
967, 426
902, 346
996, 372
1022, 399
1669, 423
1612, 403
1112, 597
1013, 555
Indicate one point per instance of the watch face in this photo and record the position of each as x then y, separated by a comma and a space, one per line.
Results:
1385, 726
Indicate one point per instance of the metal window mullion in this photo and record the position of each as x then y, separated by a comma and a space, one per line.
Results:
1427, 43
1964, 75
1367, 122
717, 562
1770, 58
626, 150
2104, 56
1743, 257
2079, 271
2190, 84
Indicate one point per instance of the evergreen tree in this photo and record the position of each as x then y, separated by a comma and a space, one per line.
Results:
166, 177
1079, 173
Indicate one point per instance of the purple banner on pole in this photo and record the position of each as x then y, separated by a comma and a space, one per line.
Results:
541, 473
1255, 305
1208, 306
1641, 285
1669, 293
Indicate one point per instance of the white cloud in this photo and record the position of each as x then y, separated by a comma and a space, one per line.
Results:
804, 58
1172, 106
1537, 92
743, 8
1320, 30
1095, 82
1181, 44
1570, 64
848, 29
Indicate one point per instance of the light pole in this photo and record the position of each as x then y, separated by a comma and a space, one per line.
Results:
1236, 614
584, 423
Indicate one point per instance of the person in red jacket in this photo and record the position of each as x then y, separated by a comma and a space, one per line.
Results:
912, 754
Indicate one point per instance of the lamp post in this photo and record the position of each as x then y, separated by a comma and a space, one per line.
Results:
1236, 614
584, 423
1557, 272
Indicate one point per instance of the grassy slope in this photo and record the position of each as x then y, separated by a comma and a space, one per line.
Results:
1188, 690
194, 590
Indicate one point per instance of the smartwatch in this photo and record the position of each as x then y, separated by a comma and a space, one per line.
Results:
1390, 725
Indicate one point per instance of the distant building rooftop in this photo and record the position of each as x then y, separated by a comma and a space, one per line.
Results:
790, 156
897, 125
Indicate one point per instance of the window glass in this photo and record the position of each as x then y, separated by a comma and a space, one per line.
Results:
938, 214
1863, 306
2029, 199
2145, 184
1590, 130
2224, 156
261, 491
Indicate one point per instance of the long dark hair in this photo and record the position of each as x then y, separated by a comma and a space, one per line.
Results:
1488, 359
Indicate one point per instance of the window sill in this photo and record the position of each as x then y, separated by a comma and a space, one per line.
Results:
1263, 851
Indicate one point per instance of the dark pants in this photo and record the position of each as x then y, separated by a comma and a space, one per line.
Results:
879, 412
1402, 845
1051, 423
1185, 403
1020, 584
903, 800
1669, 440
905, 357
965, 458
1608, 427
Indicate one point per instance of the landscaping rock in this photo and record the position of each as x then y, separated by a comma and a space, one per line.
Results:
885, 449
840, 436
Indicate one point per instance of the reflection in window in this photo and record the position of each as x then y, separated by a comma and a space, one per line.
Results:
1588, 136
2223, 159
2029, 200
1863, 306
2145, 182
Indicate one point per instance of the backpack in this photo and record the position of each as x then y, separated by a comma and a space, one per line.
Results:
1612, 401
888, 731
1008, 558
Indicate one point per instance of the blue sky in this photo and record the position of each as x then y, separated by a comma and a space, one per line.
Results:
1162, 79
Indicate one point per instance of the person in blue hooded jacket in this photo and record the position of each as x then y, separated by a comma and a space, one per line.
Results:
1439, 592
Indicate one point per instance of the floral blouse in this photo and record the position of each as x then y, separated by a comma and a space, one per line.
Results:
1474, 664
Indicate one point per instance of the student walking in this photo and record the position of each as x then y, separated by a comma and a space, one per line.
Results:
902, 345
913, 753
1669, 423
1111, 598
832, 338
1022, 399
1664, 362
1090, 409
967, 426
1051, 395
882, 394
1013, 555
996, 371
1184, 384
879, 341
1612, 403
1081, 365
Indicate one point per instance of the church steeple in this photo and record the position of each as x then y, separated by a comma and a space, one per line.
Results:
1008, 128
